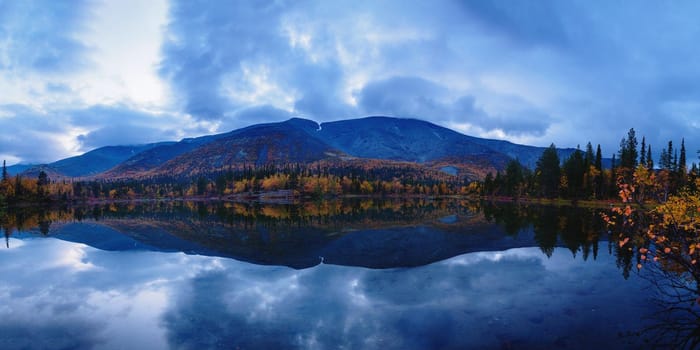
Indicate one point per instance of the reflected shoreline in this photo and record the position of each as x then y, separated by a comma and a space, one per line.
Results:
359, 232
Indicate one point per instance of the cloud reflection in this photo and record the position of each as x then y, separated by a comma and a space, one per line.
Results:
171, 300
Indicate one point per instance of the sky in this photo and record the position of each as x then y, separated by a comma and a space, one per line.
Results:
77, 74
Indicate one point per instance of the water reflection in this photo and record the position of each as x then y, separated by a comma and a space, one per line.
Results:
482, 276
370, 233
517, 298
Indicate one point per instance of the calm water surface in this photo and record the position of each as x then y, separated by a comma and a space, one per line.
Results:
353, 275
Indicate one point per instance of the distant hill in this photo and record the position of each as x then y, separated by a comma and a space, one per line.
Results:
91, 163
375, 140
18, 168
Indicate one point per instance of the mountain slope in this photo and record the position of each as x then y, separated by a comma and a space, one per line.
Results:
257, 145
90, 163
19, 168
420, 141
398, 139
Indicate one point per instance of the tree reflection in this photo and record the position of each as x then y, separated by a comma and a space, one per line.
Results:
664, 246
578, 229
676, 324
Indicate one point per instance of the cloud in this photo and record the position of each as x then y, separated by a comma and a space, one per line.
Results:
403, 96
42, 36
30, 135
210, 39
117, 125
415, 97
529, 23
254, 115
518, 119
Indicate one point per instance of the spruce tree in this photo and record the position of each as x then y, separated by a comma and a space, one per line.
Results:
598, 181
598, 159
4, 171
549, 172
612, 181
589, 155
682, 166
650, 159
643, 152
574, 170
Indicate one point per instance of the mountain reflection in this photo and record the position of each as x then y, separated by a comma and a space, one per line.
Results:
369, 233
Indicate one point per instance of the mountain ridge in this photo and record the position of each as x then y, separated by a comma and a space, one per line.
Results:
298, 140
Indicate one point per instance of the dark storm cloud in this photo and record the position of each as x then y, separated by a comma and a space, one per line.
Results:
41, 36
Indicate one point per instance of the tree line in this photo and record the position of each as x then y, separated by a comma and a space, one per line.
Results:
583, 176
296, 180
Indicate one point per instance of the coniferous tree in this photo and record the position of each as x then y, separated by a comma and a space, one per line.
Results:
612, 181
628, 151
665, 158
4, 171
513, 178
589, 171
574, 170
589, 155
643, 152
598, 181
548, 172
682, 166
674, 163
650, 159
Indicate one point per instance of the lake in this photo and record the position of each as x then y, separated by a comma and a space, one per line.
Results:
354, 274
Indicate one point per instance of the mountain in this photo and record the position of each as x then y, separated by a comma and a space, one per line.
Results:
18, 168
91, 163
154, 157
398, 139
273, 143
383, 141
